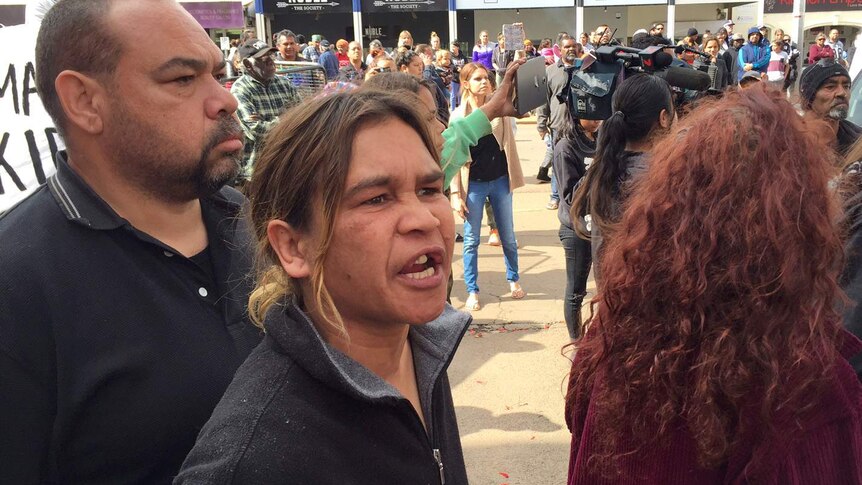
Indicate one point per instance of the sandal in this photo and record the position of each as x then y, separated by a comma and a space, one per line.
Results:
517, 291
472, 303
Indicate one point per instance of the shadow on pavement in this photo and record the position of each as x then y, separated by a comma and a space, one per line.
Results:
472, 420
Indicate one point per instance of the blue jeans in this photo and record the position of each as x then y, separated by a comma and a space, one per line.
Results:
455, 95
547, 162
578, 259
501, 202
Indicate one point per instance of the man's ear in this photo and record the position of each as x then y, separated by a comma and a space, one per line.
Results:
83, 100
247, 64
293, 247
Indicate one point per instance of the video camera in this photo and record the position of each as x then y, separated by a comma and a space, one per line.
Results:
591, 87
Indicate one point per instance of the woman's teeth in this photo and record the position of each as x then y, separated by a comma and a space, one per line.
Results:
429, 272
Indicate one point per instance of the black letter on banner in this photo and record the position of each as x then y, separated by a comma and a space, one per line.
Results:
29, 76
11, 79
35, 156
52, 142
8, 168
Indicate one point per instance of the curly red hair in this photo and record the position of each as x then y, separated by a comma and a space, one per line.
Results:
719, 285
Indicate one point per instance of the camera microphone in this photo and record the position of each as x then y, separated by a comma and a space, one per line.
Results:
685, 78
681, 48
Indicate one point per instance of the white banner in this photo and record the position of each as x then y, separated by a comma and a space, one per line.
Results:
28, 139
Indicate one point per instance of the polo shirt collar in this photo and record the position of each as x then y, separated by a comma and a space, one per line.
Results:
81, 205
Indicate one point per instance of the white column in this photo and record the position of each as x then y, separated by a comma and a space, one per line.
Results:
357, 28
453, 25
260, 26
671, 21
579, 23
761, 6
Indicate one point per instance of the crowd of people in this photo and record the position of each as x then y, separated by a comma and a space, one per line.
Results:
248, 286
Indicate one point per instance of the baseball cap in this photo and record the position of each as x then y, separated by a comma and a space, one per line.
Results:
691, 32
737, 36
324, 43
749, 77
316, 38
255, 48
375, 44
729, 22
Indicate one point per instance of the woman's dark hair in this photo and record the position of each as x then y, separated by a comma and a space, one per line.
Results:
717, 314
545, 44
405, 58
571, 127
637, 104
390, 82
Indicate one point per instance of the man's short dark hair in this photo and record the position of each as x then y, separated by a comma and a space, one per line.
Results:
74, 36
404, 58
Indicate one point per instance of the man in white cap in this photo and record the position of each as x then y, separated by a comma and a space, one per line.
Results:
728, 26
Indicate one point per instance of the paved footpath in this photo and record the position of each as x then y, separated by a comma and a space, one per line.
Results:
508, 377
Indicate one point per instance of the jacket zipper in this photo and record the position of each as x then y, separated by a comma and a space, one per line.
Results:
432, 440
439, 460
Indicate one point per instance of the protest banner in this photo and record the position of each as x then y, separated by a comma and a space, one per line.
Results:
28, 139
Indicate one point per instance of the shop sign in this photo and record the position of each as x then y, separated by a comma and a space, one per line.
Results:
216, 15
511, 4
379, 6
307, 6
620, 3
786, 6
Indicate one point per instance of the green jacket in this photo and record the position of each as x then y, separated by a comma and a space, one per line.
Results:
461, 134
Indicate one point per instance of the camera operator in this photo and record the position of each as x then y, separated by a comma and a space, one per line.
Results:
550, 116
643, 109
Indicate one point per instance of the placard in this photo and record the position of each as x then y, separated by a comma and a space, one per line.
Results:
28, 139
514, 36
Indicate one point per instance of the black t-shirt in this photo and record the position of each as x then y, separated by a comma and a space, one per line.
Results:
489, 162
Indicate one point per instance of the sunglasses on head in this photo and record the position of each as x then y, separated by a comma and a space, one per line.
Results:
381, 69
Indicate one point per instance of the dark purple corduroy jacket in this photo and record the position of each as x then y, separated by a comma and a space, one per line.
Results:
828, 450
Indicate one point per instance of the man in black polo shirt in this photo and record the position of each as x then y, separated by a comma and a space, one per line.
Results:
123, 280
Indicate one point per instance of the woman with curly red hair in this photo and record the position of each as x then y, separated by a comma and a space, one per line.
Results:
715, 352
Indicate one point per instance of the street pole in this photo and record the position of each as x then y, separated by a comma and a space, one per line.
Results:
579, 19
670, 27
761, 6
357, 22
799, 35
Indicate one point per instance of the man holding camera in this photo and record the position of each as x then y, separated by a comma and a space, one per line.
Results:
551, 116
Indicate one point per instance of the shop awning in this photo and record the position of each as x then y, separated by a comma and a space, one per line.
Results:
216, 14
